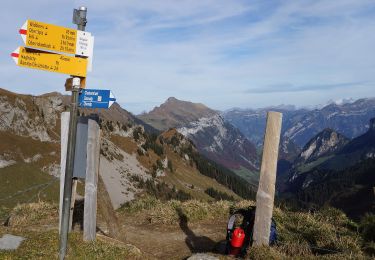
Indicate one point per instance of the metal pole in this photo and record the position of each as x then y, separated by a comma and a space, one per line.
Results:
79, 18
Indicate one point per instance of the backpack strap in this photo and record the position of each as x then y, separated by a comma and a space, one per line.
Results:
231, 221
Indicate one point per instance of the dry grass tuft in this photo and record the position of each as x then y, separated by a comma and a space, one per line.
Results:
329, 229
296, 248
45, 245
302, 235
264, 252
154, 211
33, 214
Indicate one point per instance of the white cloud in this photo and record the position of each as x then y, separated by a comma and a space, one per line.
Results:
207, 51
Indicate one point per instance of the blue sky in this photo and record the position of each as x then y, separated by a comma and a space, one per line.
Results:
221, 53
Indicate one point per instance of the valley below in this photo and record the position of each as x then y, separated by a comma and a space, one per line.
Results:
174, 176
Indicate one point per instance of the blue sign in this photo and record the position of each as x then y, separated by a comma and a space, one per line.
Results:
96, 98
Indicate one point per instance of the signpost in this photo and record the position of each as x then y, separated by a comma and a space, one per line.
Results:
79, 18
42, 41
96, 98
48, 61
56, 38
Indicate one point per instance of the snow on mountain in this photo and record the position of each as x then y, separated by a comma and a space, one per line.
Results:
221, 142
217, 139
300, 125
216, 122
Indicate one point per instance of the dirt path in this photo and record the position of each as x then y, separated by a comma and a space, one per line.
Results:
175, 241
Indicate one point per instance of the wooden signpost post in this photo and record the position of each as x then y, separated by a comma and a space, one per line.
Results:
79, 16
91, 185
42, 41
266, 189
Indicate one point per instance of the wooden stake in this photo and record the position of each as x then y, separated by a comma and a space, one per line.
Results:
72, 202
107, 211
92, 170
64, 146
266, 189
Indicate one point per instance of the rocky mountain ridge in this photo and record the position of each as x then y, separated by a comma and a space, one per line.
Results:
211, 133
221, 142
323, 144
334, 153
300, 125
174, 113
133, 161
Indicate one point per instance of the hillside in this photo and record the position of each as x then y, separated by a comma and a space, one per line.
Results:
133, 162
218, 140
342, 178
350, 189
137, 162
171, 201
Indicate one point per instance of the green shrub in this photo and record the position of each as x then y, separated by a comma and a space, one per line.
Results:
137, 133
218, 195
367, 227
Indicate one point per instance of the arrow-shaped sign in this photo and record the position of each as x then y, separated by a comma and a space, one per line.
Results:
56, 38
96, 98
42, 60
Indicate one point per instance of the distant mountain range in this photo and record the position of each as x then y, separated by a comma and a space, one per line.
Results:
327, 155
210, 132
300, 125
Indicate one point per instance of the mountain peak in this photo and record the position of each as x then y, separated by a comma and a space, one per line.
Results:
324, 143
327, 131
176, 113
172, 99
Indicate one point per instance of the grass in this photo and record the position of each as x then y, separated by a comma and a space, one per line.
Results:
151, 210
326, 233
26, 183
38, 222
250, 176
187, 178
34, 214
309, 166
125, 143
329, 229
45, 245
20, 148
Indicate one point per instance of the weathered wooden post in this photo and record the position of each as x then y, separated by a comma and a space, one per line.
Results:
64, 146
106, 209
266, 189
91, 185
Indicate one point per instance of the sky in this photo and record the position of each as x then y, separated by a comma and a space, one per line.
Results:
237, 53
